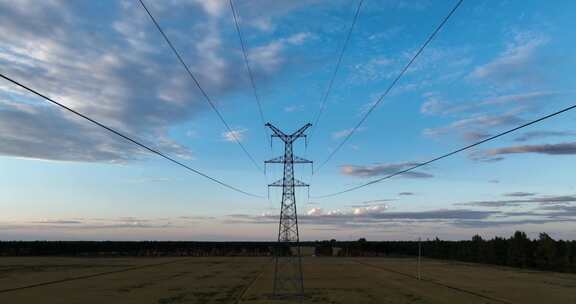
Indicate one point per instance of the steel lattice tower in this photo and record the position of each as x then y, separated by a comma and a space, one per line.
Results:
288, 279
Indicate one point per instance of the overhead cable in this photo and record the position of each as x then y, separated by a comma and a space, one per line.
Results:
447, 154
197, 83
392, 85
128, 138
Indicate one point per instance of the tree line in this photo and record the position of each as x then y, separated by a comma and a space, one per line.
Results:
543, 253
135, 248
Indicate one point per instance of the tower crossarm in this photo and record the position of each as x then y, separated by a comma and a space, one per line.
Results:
300, 131
281, 183
281, 159
278, 133
275, 160
300, 160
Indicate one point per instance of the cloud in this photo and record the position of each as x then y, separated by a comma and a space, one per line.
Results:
521, 98
560, 210
369, 209
346, 132
314, 211
128, 222
383, 169
543, 134
267, 58
47, 133
66, 222
119, 73
144, 180
435, 105
475, 136
546, 149
500, 223
235, 135
294, 108
543, 200
518, 62
406, 193
520, 194
214, 8
372, 70
379, 202
387, 34
371, 215
475, 124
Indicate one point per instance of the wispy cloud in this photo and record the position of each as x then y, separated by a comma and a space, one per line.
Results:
127, 222
294, 108
517, 62
406, 193
346, 132
435, 105
372, 215
382, 169
543, 134
235, 135
378, 202
568, 148
473, 127
519, 194
136, 90
518, 202
268, 57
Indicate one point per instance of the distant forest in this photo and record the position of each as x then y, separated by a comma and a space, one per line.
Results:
543, 253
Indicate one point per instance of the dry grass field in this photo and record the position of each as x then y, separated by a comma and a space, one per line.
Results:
249, 280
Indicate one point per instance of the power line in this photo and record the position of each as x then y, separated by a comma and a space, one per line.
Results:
231, 132
392, 85
448, 154
128, 138
248, 69
336, 69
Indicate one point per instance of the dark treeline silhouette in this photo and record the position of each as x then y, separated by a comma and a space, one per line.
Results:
145, 248
543, 253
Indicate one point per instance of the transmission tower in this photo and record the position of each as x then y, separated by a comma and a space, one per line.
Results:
288, 279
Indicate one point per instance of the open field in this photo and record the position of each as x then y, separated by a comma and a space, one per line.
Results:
249, 280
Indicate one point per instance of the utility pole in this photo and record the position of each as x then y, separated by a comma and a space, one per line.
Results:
419, 258
288, 280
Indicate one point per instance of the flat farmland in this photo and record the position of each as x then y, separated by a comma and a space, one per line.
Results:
249, 280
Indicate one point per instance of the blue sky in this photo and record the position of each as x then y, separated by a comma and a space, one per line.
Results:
495, 65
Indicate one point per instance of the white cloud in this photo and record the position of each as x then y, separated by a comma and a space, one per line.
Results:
356, 211
369, 209
477, 124
315, 211
517, 62
387, 34
294, 108
346, 132
382, 170
213, 7
298, 39
235, 135
120, 73
374, 69
267, 57
491, 155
